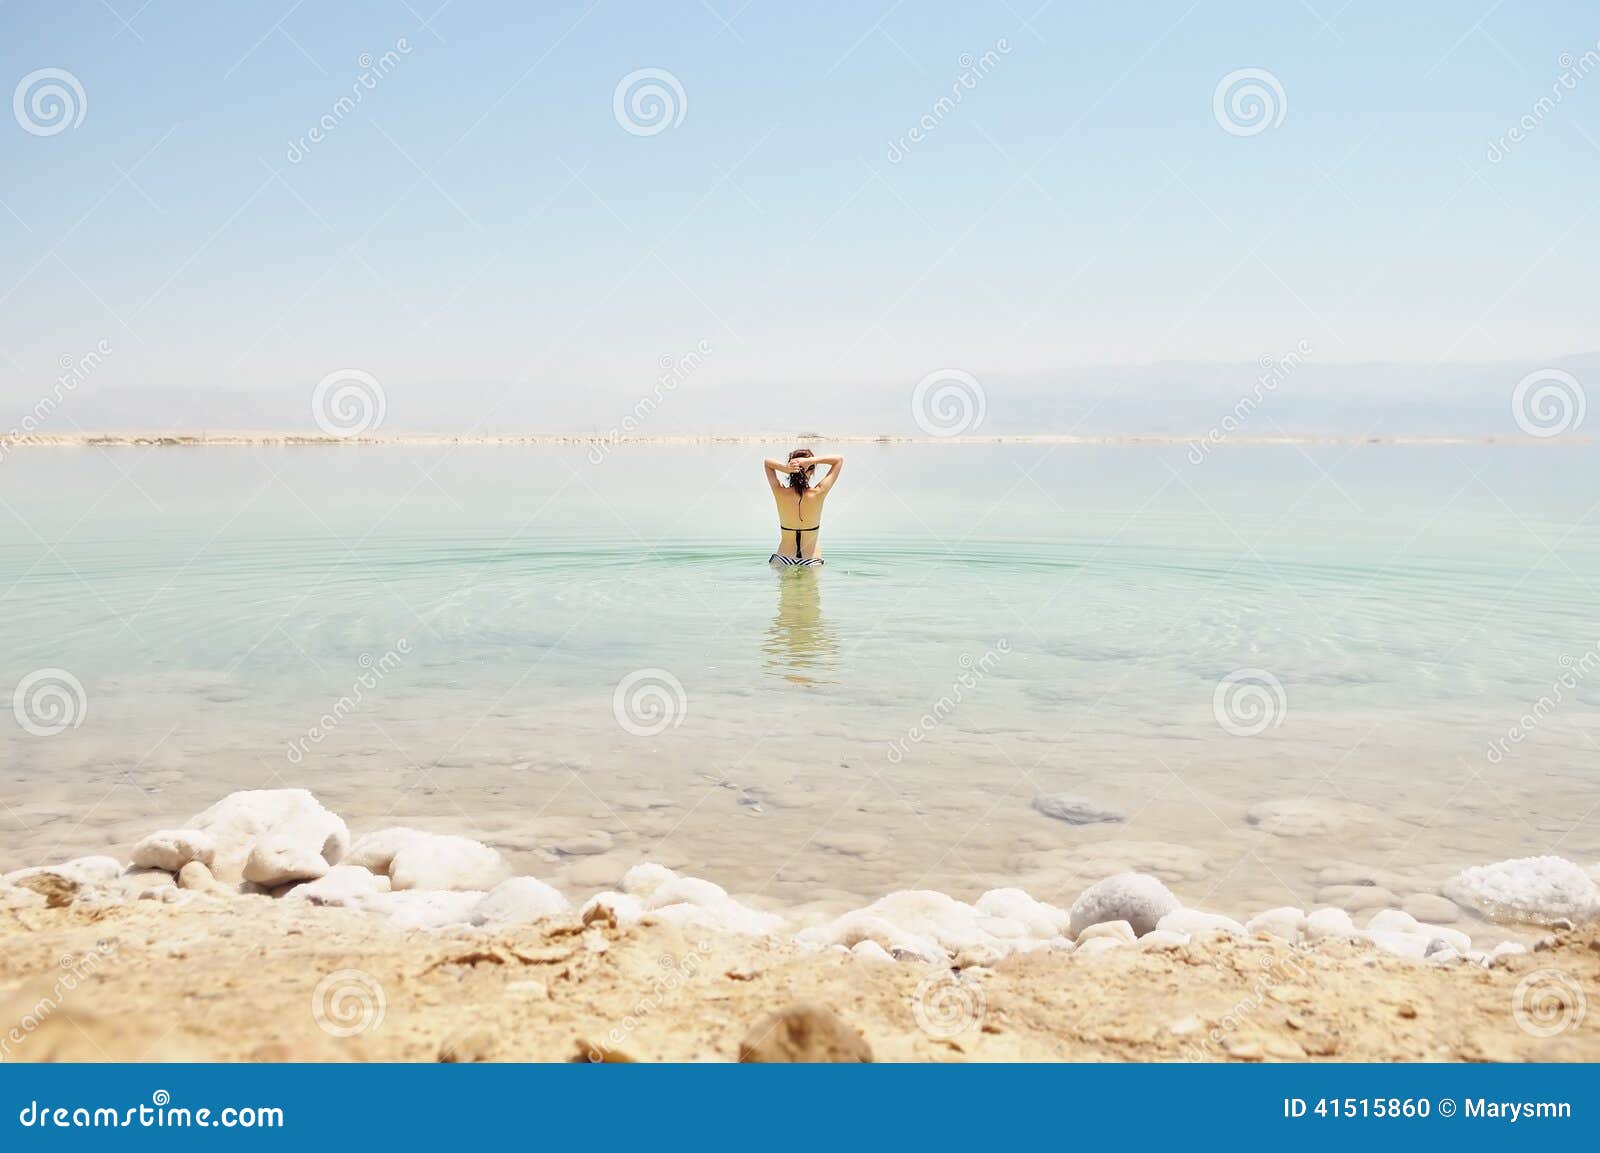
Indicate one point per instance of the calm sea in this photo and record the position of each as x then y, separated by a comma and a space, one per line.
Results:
1276, 664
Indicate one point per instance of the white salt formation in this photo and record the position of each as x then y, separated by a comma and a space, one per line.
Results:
1536, 890
413, 859
1136, 898
290, 826
285, 844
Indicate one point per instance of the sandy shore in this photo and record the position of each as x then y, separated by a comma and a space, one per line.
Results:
259, 929
259, 980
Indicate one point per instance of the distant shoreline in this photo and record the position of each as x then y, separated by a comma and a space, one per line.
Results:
247, 439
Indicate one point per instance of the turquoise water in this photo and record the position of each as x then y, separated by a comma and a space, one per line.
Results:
993, 623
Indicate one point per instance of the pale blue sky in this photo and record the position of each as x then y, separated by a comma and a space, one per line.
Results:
483, 220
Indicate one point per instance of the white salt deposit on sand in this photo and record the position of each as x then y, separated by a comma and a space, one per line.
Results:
428, 881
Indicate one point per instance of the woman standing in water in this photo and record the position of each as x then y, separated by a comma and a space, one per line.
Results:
800, 504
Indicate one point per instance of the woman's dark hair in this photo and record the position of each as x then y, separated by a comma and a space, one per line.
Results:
801, 480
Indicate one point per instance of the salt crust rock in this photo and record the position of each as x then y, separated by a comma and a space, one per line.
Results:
422, 910
1107, 931
1163, 939
1537, 890
1099, 945
871, 951
342, 886
280, 859
1041, 920
924, 924
624, 907
687, 902
195, 875
11, 897
172, 849
1412, 945
1139, 899
286, 816
1285, 922
1398, 921
1328, 924
413, 859
519, 901
1192, 922
70, 881
1074, 810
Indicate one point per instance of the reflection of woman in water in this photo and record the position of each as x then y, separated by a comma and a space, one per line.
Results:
800, 505
798, 643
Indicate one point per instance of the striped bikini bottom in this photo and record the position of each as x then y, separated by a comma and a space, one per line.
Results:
780, 561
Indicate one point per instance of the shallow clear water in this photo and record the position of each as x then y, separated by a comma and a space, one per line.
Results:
993, 623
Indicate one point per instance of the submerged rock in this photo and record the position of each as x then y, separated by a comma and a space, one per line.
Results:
1431, 907
1074, 810
1356, 898
1537, 890
1136, 898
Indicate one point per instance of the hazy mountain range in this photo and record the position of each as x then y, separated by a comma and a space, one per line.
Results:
1173, 399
